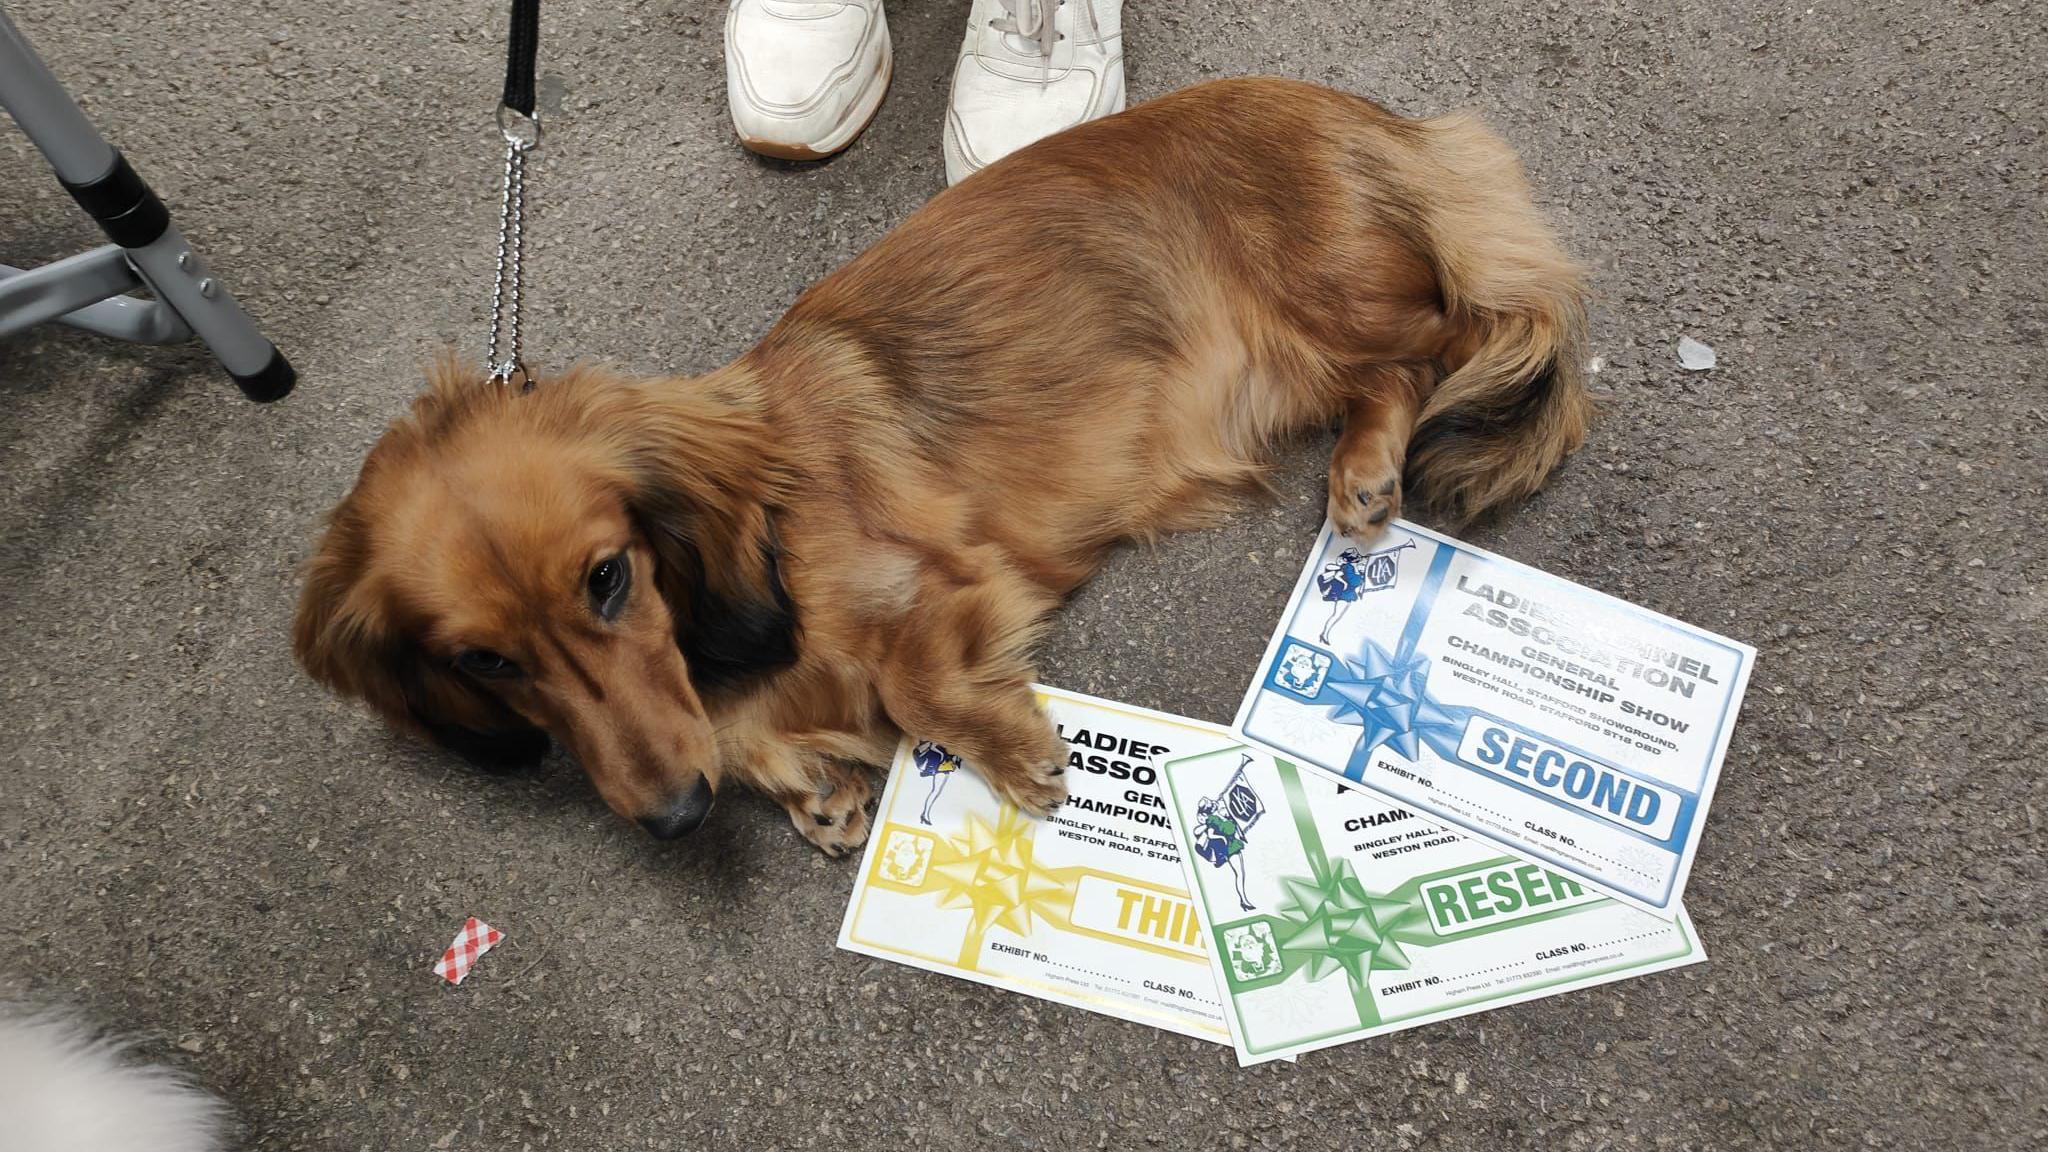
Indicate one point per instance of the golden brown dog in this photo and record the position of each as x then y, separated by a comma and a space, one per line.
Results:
769, 572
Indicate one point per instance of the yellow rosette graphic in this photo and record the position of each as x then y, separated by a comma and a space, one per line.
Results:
989, 868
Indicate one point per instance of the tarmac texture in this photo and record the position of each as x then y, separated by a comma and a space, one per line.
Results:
199, 846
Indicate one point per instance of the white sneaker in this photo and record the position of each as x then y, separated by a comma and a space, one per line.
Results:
1028, 69
804, 77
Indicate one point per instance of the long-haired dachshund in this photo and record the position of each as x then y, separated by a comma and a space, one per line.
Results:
857, 529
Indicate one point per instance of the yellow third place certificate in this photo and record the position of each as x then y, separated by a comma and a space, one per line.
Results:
1088, 907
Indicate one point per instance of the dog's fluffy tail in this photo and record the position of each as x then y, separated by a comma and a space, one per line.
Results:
1514, 404
64, 1089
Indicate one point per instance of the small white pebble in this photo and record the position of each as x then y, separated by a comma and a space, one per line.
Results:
1694, 356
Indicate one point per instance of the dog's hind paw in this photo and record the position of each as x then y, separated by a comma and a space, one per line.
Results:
1363, 501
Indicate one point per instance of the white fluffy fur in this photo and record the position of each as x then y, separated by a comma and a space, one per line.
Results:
65, 1089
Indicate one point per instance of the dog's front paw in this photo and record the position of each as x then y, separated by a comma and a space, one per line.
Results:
836, 821
1031, 771
1364, 500
1035, 787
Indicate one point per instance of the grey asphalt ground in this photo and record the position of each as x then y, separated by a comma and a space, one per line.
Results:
197, 845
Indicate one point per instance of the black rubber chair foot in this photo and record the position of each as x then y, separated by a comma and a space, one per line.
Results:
270, 383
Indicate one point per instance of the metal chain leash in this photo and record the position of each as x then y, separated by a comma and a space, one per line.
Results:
504, 354
519, 124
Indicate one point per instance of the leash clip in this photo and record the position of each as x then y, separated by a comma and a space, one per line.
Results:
519, 130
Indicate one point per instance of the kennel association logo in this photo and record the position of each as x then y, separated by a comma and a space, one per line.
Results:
1223, 823
1353, 574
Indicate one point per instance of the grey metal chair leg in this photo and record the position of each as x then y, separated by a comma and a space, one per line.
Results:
86, 291
46, 293
150, 247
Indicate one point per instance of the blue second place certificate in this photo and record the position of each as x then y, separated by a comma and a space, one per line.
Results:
1555, 721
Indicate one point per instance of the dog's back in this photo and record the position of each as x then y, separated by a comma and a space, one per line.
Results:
1114, 323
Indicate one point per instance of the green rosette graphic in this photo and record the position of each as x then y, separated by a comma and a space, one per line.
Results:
1327, 922
1330, 923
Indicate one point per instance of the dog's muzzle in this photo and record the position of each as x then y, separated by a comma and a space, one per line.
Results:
683, 815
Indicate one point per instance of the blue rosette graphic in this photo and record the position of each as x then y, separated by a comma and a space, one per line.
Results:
1386, 695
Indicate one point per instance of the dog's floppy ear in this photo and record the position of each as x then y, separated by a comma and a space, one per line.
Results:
723, 584
705, 485
346, 639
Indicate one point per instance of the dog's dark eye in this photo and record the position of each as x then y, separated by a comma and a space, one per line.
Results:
485, 663
608, 583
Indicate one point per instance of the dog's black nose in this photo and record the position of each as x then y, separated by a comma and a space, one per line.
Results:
683, 814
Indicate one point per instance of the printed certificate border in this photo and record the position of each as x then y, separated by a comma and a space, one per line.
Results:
1689, 952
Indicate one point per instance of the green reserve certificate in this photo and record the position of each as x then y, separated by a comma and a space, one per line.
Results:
1334, 914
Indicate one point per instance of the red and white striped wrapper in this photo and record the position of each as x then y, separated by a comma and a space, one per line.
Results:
475, 939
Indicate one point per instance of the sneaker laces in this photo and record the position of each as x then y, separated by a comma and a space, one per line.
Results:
1032, 21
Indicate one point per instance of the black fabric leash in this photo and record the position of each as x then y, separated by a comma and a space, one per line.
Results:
521, 47
519, 124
